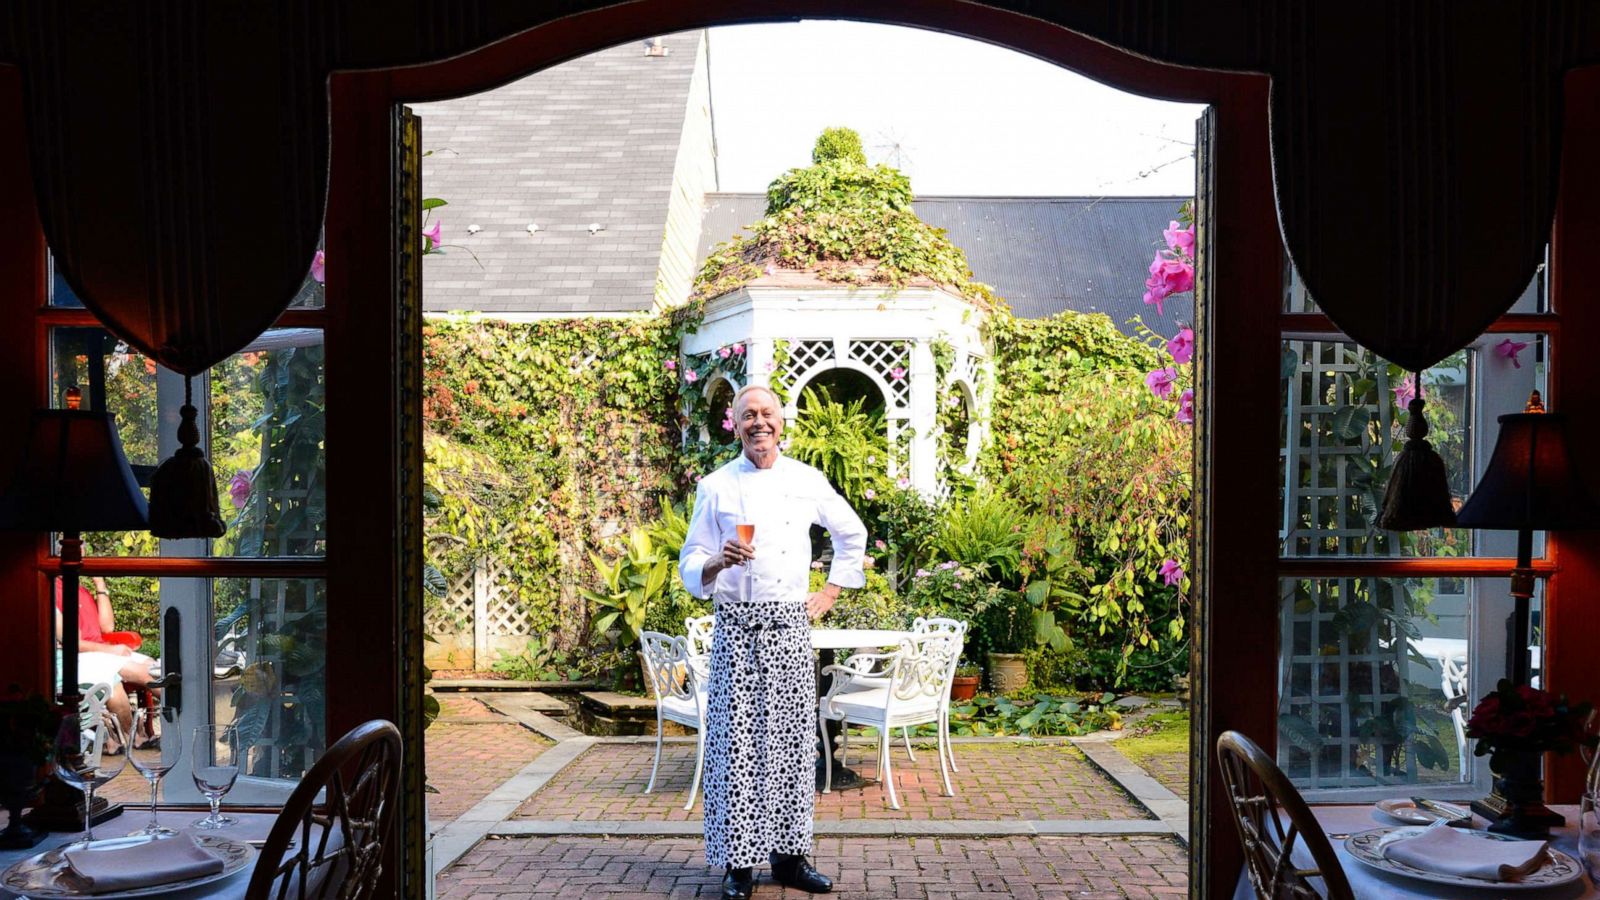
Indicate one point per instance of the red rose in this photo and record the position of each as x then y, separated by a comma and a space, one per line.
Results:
1539, 703
1521, 724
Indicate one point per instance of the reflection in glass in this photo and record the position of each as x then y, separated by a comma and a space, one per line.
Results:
270, 668
265, 434
1375, 682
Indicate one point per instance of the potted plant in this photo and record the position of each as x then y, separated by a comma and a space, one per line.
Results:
1515, 727
27, 725
1005, 625
965, 685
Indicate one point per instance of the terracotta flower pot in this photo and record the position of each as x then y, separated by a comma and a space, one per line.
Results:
964, 687
1008, 672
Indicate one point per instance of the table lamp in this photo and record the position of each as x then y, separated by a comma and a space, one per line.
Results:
1532, 483
73, 478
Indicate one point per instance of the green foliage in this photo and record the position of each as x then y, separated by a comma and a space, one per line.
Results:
839, 143
902, 523
1036, 716
876, 605
638, 577
843, 221
1156, 735
847, 444
999, 619
984, 532
539, 661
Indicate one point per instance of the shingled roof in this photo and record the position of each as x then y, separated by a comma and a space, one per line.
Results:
1042, 254
591, 141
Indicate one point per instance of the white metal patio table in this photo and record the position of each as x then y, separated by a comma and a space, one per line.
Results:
1365, 882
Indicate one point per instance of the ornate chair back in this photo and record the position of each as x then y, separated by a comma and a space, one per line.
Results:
953, 627
1257, 792
924, 665
338, 846
666, 663
698, 631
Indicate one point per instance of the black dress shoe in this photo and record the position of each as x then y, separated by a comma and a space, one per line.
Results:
797, 872
737, 884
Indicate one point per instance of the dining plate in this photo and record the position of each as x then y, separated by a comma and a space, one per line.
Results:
44, 876
1367, 848
1404, 810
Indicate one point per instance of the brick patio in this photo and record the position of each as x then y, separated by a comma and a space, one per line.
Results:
1036, 868
996, 781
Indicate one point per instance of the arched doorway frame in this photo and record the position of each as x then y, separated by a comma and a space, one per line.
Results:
1234, 658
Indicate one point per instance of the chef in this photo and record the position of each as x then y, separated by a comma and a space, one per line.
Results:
761, 716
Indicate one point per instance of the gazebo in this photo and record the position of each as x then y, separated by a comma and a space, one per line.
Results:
922, 347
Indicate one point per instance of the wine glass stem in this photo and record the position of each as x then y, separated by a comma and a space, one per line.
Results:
88, 813
216, 807
154, 783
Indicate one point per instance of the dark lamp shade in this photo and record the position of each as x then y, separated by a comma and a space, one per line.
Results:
1532, 481
73, 477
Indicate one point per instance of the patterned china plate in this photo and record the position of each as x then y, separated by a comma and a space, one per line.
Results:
45, 876
1367, 848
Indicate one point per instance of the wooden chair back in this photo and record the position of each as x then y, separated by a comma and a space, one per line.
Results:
1261, 797
338, 844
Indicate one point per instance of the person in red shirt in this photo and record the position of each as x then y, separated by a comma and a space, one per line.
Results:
101, 661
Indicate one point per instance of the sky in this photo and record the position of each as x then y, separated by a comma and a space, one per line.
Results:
967, 117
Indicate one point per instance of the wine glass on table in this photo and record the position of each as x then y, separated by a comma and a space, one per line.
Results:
215, 765
84, 759
150, 760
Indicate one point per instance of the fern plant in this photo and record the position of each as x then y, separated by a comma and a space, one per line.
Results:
845, 442
986, 534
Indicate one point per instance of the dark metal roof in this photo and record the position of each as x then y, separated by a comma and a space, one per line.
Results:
589, 141
1042, 254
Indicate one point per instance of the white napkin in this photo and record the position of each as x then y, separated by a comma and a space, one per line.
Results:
124, 867
1448, 851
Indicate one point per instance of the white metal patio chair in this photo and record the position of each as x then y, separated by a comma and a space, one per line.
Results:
929, 625
916, 674
1454, 682
91, 716
678, 681
698, 630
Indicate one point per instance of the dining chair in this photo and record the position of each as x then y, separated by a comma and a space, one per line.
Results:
337, 844
911, 680
698, 629
1260, 796
923, 625
678, 681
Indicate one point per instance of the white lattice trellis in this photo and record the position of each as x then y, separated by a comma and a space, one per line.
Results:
804, 356
886, 358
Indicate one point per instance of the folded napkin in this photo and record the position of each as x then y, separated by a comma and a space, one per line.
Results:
125, 867
1449, 851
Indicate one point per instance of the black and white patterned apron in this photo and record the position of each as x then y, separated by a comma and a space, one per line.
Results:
761, 732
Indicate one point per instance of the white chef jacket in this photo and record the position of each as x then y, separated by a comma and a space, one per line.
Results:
783, 502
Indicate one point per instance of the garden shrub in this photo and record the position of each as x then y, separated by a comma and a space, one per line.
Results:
847, 444
876, 605
984, 531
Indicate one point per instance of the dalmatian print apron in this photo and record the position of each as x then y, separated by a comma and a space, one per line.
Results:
761, 731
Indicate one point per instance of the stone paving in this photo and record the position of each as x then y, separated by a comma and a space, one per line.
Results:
1171, 769
471, 751
915, 868
996, 781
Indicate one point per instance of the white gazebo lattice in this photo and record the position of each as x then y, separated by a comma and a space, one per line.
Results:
888, 336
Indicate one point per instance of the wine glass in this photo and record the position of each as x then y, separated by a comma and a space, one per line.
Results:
1589, 834
149, 758
747, 534
84, 762
215, 764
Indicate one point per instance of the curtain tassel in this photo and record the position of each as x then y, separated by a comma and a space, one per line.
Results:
1418, 496
183, 491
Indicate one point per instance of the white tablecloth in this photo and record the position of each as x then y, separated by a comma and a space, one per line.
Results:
252, 826
855, 638
1370, 883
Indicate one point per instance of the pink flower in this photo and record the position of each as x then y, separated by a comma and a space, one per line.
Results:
903, 482
432, 236
738, 349
1509, 349
239, 489
1185, 413
671, 364
1180, 239
1406, 390
319, 267
897, 373
1160, 382
880, 545
1167, 277
870, 494
724, 353
690, 376
1171, 573
727, 421
772, 366
1181, 347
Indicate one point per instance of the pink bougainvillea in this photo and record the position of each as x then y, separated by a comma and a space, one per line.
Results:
1179, 239
239, 489
1171, 572
1181, 347
1168, 276
1510, 349
1406, 390
1185, 413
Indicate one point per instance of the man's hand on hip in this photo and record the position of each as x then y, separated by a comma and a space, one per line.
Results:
818, 604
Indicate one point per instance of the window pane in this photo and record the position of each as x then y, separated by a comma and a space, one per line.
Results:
265, 429
1344, 423
310, 296
1378, 677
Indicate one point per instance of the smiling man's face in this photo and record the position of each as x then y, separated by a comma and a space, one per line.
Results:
758, 421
